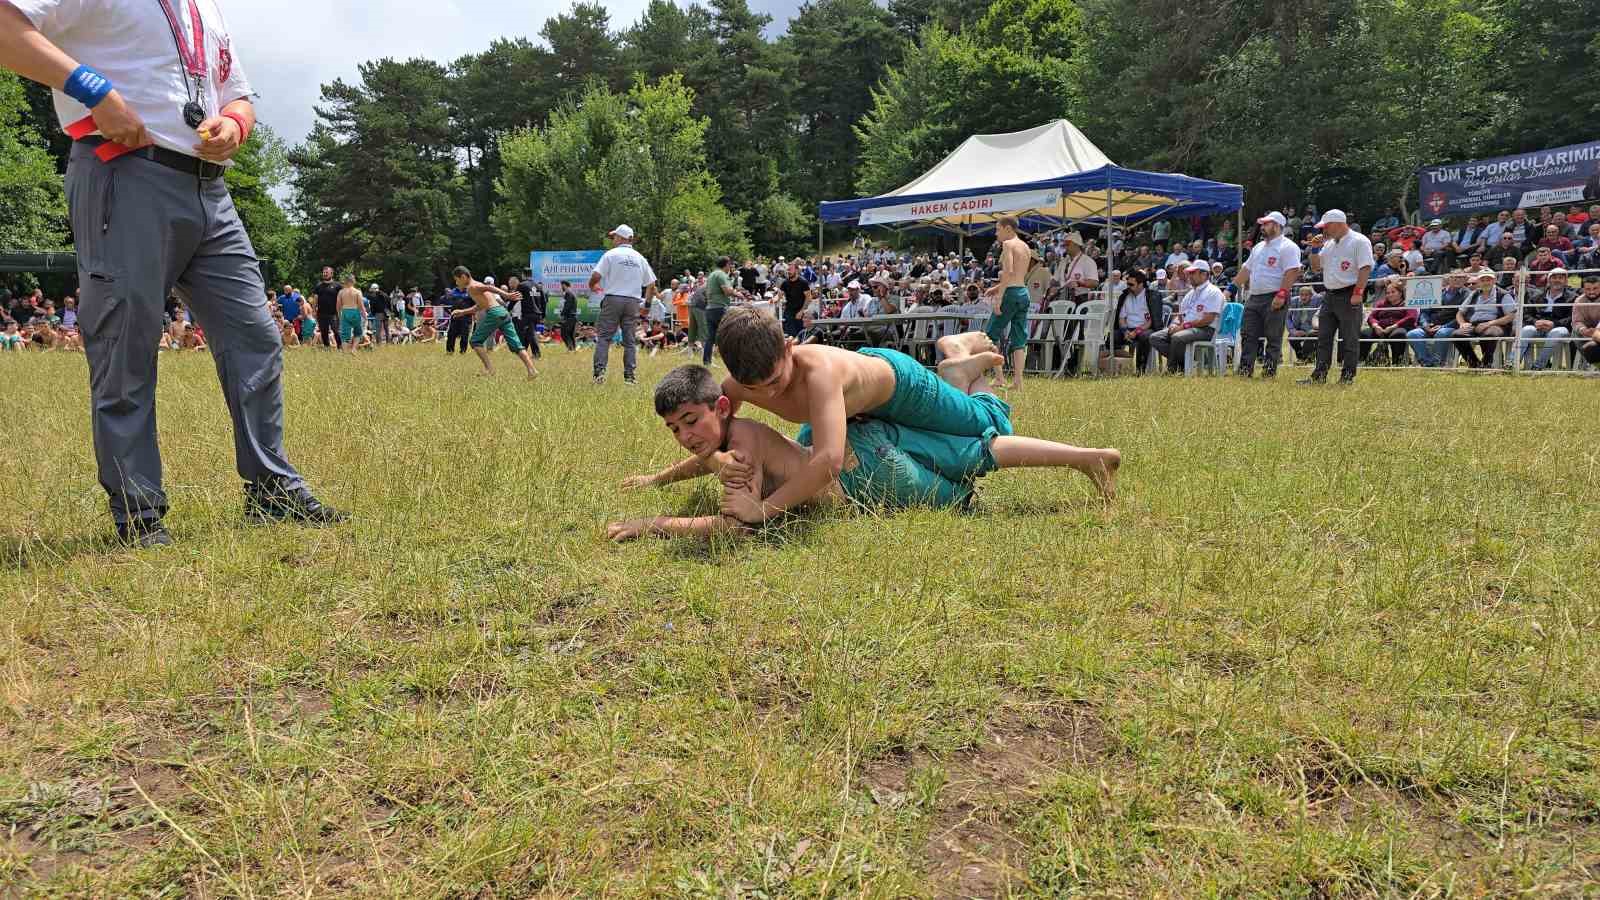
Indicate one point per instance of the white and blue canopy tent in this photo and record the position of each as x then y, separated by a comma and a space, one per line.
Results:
1050, 177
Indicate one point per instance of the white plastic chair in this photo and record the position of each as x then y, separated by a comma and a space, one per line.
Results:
1223, 347
1096, 329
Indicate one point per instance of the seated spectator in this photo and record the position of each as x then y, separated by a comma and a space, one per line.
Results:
1564, 226
1394, 263
1483, 319
1586, 319
193, 338
69, 313
1415, 263
1463, 243
1511, 277
1138, 312
1196, 319
1301, 323
1586, 249
1388, 221
1508, 247
1436, 324
1494, 231
1547, 319
1389, 323
1435, 244
11, 338
1544, 260
1556, 243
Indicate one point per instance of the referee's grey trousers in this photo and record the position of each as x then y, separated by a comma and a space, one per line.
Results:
140, 230
616, 312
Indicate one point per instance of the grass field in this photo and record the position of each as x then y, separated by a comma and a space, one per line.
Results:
1331, 642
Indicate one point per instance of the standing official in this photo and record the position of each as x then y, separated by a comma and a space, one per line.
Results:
624, 279
1344, 258
157, 106
1265, 279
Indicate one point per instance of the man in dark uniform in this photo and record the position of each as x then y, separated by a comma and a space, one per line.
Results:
327, 294
150, 213
460, 326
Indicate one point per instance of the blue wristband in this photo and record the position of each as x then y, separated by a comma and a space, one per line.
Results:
87, 86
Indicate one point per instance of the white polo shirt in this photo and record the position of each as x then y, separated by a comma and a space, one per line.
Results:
1343, 259
129, 42
624, 272
1268, 262
1207, 298
1070, 270
1135, 311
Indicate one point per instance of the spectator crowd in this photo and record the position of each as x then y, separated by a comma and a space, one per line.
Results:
1525, 278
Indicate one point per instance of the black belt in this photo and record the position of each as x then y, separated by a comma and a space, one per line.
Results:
172, 159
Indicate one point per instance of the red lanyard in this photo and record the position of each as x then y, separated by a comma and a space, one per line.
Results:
192, 55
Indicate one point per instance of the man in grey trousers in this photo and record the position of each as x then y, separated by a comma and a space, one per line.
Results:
624, 280
150, 213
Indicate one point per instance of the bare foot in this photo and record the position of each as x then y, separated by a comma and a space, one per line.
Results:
968, 343
532, 374
964, 373
1105, 476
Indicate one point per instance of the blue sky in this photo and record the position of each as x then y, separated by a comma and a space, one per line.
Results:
289, 55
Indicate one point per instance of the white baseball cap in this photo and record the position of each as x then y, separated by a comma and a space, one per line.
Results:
488, 279
1161, 273
1435, 222
1072, 237
622, 231
1202, 265
1274, 216
1332, 217
854, 286
373, 288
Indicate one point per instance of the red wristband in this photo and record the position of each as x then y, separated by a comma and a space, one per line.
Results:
1283, 293
244, 128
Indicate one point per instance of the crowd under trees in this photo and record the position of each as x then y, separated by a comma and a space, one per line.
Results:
710, 136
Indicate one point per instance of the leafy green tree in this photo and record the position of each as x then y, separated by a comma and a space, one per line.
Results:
582, 45
33, 206
949, 87
836, 50
607, 158
667, 38
376, 183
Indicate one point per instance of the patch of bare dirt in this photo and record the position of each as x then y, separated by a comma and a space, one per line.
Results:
972, 847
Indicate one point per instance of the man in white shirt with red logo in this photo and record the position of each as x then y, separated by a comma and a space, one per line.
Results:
1196, 319
156, 105
1344, 259
1265, 280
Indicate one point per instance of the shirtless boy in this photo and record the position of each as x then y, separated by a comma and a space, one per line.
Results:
352, 314
887, 465
485, 299
1010, 297
825, 386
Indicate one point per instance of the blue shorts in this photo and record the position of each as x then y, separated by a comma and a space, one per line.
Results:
895, 466
926, 402
1014, 305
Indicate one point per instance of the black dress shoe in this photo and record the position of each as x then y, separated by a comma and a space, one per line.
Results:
142, 534
270, 501
1315, 379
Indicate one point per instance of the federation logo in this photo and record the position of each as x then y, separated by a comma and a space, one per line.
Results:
224, 60
1436, 202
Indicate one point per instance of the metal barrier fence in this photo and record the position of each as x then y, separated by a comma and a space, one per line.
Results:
1514, 348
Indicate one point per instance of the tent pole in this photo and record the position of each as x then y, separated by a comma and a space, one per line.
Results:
819, 238
1238, 237
961, 240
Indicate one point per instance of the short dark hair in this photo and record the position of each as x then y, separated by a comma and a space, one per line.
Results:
566, 283
724, 261
1007, 222
751, 343
459, 271
686, 385
1591, 279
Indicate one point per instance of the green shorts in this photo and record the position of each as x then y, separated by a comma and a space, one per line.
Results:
351, 325
1014, 305
896, 466
495, 318
308, 328
924, 401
